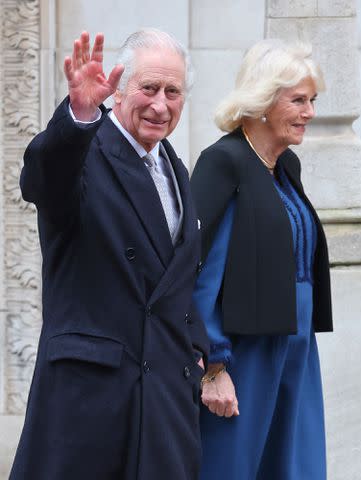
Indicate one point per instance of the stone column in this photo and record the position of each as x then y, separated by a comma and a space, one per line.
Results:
357, 124
331, 161
26, 70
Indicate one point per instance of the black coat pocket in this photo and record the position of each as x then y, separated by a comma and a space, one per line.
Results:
87, 348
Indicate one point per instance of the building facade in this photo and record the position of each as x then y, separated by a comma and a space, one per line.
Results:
37, 34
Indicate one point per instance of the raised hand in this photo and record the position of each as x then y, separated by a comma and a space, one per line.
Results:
87, 84
220, 397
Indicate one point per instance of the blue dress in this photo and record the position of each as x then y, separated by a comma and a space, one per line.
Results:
279, 434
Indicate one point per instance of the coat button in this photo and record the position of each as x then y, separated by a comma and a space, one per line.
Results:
149, 311
146, 367
186, 372
187, 318
130, 253
199, 267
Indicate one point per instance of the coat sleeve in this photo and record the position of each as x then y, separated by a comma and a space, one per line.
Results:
53, 163
207, 291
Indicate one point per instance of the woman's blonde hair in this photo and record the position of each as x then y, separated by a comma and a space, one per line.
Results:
267, 67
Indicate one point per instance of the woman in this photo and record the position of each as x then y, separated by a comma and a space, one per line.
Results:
264, 288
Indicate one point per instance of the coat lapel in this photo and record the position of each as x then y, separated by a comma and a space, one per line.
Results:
189, 227
139, 187
182, 178
292, 173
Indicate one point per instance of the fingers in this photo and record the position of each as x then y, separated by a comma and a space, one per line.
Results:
229, 410
85, 46
81, 54
68, 68
97, 52
77, 55
81, 50
115, 75
223, 407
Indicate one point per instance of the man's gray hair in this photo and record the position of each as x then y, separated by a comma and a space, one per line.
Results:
153, 39
268, 67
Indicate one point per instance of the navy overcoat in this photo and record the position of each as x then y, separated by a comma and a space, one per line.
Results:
116, 383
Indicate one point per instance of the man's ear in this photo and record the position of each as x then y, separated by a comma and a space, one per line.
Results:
117, 96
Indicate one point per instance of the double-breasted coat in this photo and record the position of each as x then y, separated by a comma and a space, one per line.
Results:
116, 383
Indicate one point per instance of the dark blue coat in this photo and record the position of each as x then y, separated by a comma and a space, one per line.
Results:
115, 388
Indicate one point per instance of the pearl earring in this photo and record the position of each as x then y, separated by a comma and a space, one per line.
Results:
263, 119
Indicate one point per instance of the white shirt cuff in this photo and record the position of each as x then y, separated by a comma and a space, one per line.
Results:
80, 121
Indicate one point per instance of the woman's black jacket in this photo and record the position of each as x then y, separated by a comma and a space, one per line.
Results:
258, 294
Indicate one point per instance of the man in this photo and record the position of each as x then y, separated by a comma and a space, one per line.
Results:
116, 383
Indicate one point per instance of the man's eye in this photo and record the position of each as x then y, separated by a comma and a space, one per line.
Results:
148, 88
298, 100
173, 92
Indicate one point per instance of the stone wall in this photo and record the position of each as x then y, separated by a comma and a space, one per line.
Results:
35, 37
357, 124
20, 267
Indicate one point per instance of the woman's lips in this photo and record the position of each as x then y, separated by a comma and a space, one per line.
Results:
299, 126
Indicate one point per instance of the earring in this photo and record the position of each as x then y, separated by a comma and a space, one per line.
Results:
263, 119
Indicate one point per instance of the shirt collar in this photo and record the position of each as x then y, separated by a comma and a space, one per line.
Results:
137, 147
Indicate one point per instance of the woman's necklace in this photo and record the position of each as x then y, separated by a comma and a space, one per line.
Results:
265, 162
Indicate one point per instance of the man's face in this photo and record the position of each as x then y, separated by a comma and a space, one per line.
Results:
152, 103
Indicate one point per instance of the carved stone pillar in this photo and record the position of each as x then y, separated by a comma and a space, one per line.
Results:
23, 60
331, 162
21, 114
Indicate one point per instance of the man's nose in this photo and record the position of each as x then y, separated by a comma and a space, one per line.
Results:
159, 103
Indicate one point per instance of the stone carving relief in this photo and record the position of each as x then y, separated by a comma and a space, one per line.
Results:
21, 112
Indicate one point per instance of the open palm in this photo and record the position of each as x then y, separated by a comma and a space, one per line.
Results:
87, 84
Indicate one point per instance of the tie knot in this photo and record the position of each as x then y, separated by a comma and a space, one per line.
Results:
149, 160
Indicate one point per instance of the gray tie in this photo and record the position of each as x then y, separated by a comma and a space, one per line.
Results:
169, 208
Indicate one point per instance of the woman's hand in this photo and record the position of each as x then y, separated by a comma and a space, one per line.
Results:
219, 395
88, 86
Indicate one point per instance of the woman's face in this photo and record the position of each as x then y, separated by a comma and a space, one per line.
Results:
293, 109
